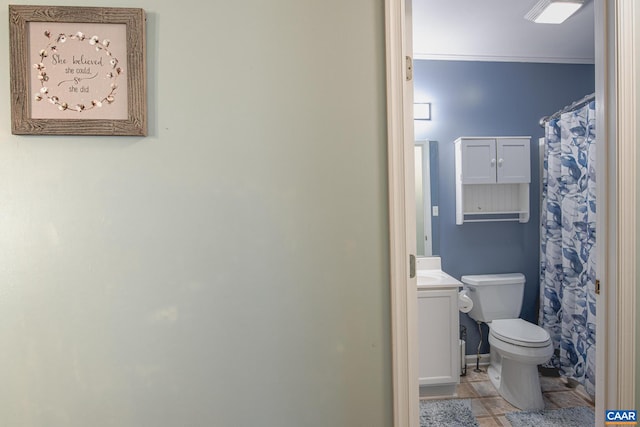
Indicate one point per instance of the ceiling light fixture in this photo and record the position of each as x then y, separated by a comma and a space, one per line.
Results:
553, 11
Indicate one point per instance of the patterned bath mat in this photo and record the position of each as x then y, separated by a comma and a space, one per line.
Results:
580, 416
447, 413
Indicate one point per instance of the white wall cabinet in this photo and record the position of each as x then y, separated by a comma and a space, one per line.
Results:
492, 179
495, 160
438, 343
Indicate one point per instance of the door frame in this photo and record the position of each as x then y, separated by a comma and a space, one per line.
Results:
616, 78
620, 79
402, 235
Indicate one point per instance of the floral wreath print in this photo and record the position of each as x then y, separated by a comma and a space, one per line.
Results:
45, 93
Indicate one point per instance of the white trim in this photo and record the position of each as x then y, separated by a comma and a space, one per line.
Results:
626, 209
495, 58
472, 361
606, 380
616, 101
606, 358
403, 295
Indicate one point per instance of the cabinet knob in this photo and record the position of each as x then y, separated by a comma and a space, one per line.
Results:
500, 162
493, 163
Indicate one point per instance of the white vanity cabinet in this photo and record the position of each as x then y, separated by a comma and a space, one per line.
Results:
492, 179
438, 342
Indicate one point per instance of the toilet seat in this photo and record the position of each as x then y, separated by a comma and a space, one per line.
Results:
519, 332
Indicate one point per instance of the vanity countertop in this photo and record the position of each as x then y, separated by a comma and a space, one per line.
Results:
431, 276
431, 279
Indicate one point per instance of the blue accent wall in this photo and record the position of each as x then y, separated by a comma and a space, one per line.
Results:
492, 99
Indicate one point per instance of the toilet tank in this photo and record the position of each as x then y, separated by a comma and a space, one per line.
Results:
495, 296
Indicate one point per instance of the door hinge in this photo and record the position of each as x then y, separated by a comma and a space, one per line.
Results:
409, 68
597, 287
412, 266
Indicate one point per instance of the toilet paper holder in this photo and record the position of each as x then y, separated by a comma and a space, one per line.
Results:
465, 304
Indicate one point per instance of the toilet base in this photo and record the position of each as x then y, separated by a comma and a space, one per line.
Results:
522, 385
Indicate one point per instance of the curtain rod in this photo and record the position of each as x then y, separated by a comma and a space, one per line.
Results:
574, 106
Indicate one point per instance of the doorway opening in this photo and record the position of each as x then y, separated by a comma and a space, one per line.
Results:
615, 77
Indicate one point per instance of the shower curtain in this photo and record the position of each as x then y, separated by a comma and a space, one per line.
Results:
568, 244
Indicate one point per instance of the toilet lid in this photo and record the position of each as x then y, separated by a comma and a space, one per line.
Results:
519, 332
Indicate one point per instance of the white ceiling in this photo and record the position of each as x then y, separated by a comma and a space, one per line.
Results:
495, 30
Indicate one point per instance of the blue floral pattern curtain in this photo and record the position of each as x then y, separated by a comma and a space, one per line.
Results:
568, 244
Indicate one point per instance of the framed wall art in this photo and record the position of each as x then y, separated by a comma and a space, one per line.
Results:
77, 70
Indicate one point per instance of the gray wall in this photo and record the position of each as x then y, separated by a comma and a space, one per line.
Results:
230, 269
492, 99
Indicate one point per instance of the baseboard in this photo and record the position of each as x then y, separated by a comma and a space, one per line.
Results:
471, 360
439, 391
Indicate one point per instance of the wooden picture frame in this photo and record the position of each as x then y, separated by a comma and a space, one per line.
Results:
77, 70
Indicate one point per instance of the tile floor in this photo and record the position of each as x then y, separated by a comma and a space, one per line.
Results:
489, 408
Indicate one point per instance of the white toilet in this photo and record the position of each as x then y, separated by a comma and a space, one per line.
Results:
517, 346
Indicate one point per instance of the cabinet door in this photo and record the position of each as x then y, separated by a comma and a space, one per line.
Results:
514, 164
478, 161
438, 342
